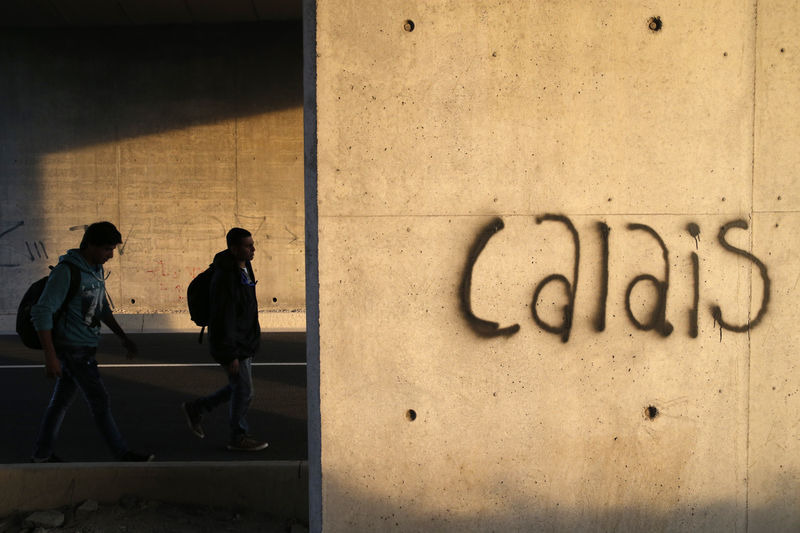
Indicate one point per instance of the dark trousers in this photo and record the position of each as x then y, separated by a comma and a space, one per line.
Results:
239, 392
78, 372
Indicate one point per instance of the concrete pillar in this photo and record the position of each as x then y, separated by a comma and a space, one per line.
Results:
557, 266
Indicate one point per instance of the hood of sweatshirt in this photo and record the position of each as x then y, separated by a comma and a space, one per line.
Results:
74, 256
224, 260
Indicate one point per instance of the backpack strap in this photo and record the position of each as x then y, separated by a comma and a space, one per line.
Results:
211, 269
74, 285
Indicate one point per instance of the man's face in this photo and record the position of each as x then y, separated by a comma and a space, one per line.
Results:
98, 255
245, 250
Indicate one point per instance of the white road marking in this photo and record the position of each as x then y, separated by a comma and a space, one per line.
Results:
149, 365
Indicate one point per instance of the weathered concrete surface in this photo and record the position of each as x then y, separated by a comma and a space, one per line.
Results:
774, 452
447, 143
278, 487
175, 135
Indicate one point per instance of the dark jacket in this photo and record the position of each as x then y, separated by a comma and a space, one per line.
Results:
233, 329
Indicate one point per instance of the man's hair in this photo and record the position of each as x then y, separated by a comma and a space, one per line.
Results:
101, 234
235, 236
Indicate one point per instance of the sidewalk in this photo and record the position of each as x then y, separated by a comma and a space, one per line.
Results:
146, 403
158, 497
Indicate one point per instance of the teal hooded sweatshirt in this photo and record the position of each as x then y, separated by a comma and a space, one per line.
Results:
80, 324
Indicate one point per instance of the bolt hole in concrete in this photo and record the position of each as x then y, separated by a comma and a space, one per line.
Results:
411, 415
654, 23
274, 299
651, 412
133, 300
408, 25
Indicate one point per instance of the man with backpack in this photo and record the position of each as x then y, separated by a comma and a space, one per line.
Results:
70, 341
234, 336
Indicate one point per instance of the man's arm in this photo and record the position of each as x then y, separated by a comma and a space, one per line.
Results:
222, 323
52, 298
109, 320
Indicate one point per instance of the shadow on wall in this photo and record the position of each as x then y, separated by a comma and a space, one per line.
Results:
62, 89
352, 509
74, 103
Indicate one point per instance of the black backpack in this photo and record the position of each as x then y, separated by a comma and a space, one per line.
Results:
198, 297
25, 329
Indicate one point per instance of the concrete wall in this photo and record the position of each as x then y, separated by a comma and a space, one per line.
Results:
175, 134
557, 261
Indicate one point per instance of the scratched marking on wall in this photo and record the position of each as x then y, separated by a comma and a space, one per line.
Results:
5, 232
656, 321
35, 250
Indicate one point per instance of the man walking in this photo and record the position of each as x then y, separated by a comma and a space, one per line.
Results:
70, 344
234, 336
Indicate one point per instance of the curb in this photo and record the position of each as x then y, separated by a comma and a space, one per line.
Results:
279, 488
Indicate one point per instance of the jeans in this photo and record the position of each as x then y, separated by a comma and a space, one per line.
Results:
78, 371
239, 391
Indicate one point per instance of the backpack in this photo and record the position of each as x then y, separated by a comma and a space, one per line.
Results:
27, 333
198, 297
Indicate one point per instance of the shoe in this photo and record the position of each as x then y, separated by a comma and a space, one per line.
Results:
193, 418
135, 457
51, 459
246, 443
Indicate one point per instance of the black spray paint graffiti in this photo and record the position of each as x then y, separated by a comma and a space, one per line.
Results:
657, 320
38, 247
600, 319
6, 232
484, 328
12, 228
716, 312
565, 327
694, 231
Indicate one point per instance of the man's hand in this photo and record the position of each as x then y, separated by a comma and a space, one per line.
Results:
131, 349
233, 367
51, 365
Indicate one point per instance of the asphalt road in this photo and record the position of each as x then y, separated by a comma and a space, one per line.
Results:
146, 394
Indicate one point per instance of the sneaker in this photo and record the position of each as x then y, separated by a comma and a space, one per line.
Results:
193, 418
246, 443
135, 457
51, 459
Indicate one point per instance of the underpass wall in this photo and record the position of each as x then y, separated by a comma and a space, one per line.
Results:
557, 266
173, 133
